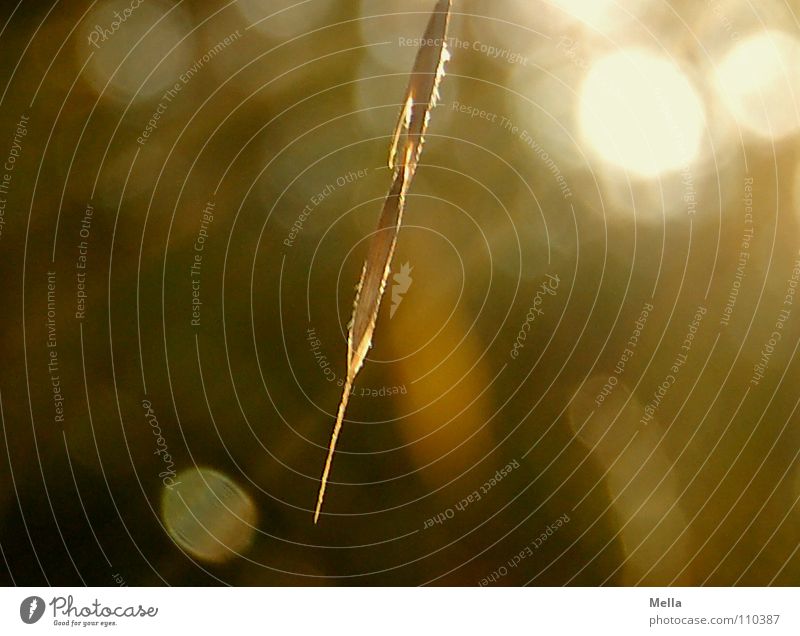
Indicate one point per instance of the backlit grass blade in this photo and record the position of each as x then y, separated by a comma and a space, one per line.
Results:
421, 96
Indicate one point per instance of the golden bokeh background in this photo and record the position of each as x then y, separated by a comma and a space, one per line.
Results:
584, 367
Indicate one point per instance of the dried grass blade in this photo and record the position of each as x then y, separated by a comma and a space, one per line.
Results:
367, 304
421, 97
422, 93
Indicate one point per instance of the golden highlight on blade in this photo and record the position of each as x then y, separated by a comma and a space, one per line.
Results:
420, 98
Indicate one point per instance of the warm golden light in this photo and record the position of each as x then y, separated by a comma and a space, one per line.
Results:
139, 57
759, 81
390, 37
639, 112
592, 13
208, 515
285, 18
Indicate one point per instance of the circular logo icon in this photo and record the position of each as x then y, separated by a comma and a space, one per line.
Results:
31, 609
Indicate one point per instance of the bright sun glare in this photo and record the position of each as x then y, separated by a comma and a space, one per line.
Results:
638, 111
759, 81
